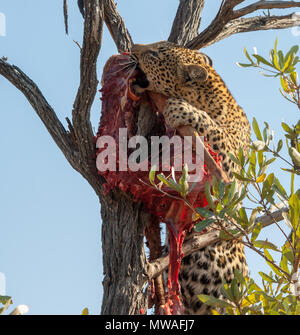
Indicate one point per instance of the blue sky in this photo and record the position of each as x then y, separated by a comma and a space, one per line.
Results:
50, 225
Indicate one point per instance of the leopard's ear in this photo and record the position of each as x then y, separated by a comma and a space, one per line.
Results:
191, 73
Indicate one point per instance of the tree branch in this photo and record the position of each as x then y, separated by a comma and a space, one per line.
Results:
80, 4
268, 219
116, 26
45, 112
228, 21
265, 5
65, 7
187, 21
243, 25
93, 24
81, 154
223, 16
198, 241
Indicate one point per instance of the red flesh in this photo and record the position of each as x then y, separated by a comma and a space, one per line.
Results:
177, 216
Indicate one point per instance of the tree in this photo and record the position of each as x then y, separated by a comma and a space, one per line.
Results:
121, 217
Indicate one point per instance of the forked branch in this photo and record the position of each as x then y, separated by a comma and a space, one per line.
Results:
187, 21
229, 21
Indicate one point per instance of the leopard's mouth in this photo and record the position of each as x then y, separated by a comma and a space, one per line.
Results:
141, 79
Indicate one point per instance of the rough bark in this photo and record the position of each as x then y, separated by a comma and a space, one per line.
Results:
257, 23
116, 27
228, 16
124, 260
187, 21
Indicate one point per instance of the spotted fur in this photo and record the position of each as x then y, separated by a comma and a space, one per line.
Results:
197, 96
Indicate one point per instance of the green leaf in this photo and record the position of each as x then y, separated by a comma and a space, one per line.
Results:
295, 156
265, 244
286, 128
293, 50
280, 58
256, 231
293, 78
4, 299
284, 263
243, 216
239, 177
203, 224
233, 158
215, 187
169, 183
294, 210
241, 157
204, 212
248, 56
284, 85
270, 258
278, 188
183, 181
288, 63
253, 216
238, 275
267, 190
211, 301
176, 187
224, 236
231, 191
289, 255
262, 60
208, 196
279, 146
266, 277
256, 129
221, 189
85, 312
261, 178
270, 161
276, 64
235, 290
226, 291
243, 64
152, 175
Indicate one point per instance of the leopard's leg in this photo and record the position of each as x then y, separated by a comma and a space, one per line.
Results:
178, 112
203, 271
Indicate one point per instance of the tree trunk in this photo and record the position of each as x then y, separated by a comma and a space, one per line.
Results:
124, 260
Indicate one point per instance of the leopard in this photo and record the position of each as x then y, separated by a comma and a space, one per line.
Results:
198, 97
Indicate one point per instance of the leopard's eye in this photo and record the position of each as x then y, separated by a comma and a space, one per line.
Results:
153, 53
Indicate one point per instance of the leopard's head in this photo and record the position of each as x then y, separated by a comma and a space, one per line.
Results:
169, 67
